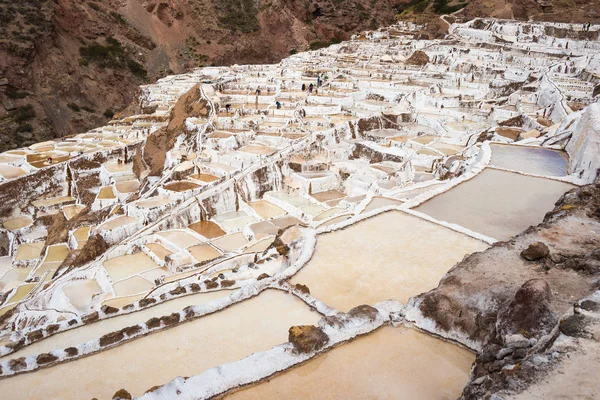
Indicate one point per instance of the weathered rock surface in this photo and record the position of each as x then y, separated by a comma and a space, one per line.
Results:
535, 251
500, 303
307, 338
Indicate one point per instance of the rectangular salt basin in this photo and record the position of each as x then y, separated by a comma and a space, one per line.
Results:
93, 331
390, 256
390, 363
124, 266
532, 160
254, 325
497, 203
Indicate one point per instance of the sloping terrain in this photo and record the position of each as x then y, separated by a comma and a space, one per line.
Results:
68, 65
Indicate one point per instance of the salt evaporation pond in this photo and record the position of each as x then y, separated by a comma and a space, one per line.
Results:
531, 160
497, 203
390, 256
97, 329
391, 363
189, 349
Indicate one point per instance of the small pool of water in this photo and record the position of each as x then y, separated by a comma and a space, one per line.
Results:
390, 363
497, 203
532, 160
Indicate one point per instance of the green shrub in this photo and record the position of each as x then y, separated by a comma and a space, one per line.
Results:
94, 6
88, 109
109, 113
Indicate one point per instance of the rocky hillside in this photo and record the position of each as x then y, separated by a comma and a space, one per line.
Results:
68, 65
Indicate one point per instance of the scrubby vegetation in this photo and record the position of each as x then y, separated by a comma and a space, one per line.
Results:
238, 15
111, 55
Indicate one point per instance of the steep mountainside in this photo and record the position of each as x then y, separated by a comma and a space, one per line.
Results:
66, 65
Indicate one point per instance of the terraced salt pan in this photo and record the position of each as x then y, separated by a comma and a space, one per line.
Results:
204, 252
208, 229
17, 223
29, 251
498, 204
133, 285
532, 160
180, 239
266, 209
254, 325
231, 242
92, 331
124, 266
390, 363
390, 256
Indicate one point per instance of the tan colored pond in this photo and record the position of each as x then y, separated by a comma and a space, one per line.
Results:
254, 325
181, 186
208, 229
72, 210
131, 264
10, 172
231, 242
106, 192
97, 329
390, 363
204, 177
180, 239
29, 251
266, 209
204, 252
158, 250
385, 257
133, 285
328, 195
263, 229
17, 223
57, 252
497, 203
21, 292
117, 222
128, 186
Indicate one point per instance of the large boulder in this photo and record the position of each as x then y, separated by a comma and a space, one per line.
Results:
529, 313
535, 251
307, 338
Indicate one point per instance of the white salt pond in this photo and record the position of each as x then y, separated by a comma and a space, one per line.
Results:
254, 325
390, 363
497, 203
532, 160
390, 256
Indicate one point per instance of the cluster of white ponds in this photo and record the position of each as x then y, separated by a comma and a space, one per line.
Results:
377, 181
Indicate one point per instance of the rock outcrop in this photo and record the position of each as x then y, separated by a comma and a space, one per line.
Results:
307, 338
